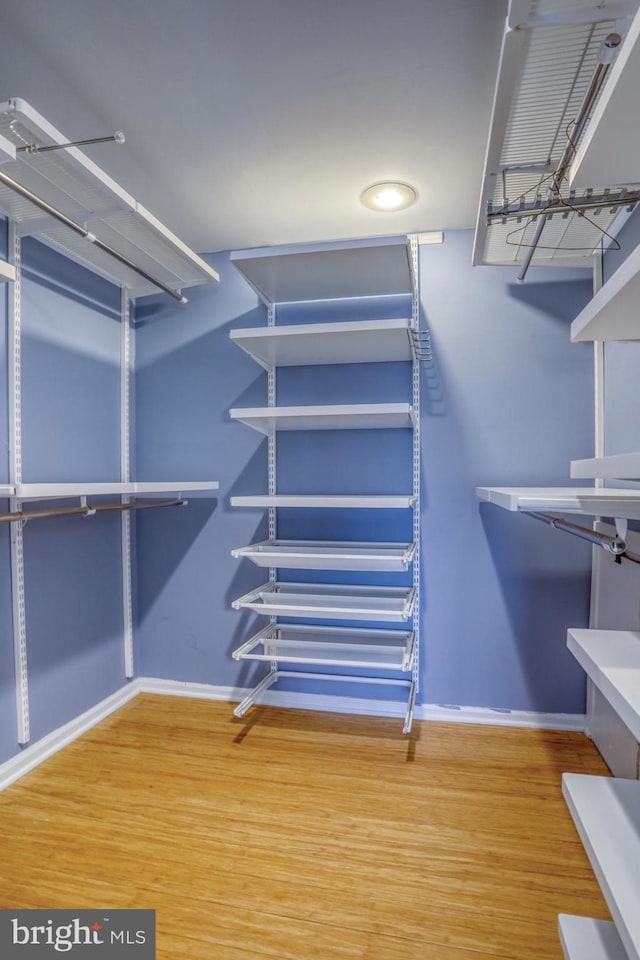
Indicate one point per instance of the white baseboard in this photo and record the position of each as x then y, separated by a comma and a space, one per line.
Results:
32, 756
372, 708
41, 750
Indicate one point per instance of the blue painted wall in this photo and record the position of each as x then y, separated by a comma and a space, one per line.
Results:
507, 401
70, 432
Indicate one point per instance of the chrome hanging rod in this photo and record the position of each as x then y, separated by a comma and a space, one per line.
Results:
615, 545
85, 234
606, 54
86, 510
117, 137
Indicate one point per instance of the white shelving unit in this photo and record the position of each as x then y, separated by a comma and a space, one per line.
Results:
325, 502
331, 647
611, 658
69, 181
353, 416
587, 501
65, 200
612, 313
621, 466
329, 555
374, 268
330, 601
585, 939
359, 341
606, 813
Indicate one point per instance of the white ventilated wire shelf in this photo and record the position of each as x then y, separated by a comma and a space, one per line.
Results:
323, 601
71, 182
325, 501
359, 341
331, 647
352, 416
328, 555
54, 491
611, 659
587, 501
544, 77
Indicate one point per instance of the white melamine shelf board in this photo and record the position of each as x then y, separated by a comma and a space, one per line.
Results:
330, 601
53, 491
620, 466
609, 150
331, 646
70, 181
611, 658
585, 939
328, 555
375, 267
351, 416
6, 490
7, 272
612, 314
587, 501
606, 813
311, 501
359, 341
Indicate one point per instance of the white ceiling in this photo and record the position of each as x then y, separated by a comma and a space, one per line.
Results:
256, 122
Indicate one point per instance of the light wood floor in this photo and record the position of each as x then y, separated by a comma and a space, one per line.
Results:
293, 835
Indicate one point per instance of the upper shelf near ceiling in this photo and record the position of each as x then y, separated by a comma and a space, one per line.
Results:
549, 56
72, 183
375, 267
610, 149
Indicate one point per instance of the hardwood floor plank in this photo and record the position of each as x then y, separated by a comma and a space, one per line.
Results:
298, 835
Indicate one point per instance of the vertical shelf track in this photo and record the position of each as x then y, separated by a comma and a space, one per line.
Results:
271, 467
125, 477
415, 379
15, 476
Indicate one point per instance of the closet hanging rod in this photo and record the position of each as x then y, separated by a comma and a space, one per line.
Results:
615, 545
87, 510
86, 234
117, 137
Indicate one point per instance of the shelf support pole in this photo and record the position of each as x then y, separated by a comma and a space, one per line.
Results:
415, 320
125, 477
15, 476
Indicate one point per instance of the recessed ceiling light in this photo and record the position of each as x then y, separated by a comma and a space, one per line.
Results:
388, 196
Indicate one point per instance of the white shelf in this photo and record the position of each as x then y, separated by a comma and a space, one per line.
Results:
7, 272
606, 813
585, 939
328, 555
611, 658
54, 491
613, 312
311, 501
595, 161
587, 501
325, 601
359, 341
331, 646
70, 181
352, 416
621, 466
376, 267
6, 490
